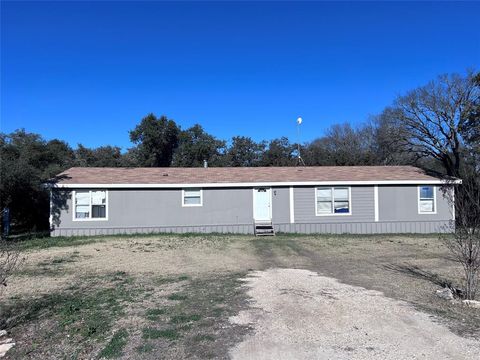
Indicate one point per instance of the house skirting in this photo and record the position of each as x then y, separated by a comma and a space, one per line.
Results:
384, 227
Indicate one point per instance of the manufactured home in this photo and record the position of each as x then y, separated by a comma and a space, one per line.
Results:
339, 199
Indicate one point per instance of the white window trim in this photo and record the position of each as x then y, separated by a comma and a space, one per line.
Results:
434, 201
50, 218
333, 201
453, 202
90, 218
292, 205
192, 205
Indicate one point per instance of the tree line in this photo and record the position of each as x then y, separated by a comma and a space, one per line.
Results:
436, 127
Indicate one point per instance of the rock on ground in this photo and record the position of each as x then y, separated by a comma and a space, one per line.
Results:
472, 303
5, 343
297, 314
445, 293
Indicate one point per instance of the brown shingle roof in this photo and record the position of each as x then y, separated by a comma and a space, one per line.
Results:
212, 175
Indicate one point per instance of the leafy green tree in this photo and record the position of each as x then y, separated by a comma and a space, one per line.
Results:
103, 156
280, 152
195, 146
156, 140
27, 162
245, 152
130, 158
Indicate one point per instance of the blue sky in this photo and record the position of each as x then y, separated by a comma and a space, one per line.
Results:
87, 72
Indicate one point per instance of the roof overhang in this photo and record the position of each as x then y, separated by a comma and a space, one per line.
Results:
259, 184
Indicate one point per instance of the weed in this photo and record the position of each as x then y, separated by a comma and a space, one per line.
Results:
203, 337
43, 271
154, 314
60, 260
145, 348
151, 333
177, 296
164, 280
184, 318
167, 280
115, 346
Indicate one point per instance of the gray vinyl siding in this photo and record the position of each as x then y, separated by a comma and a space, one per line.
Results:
163, 207
362, 206
281, 205
400, 203
230, 210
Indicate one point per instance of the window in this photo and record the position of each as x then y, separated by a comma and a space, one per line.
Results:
332, 201
426, 200
90, 205
192, 197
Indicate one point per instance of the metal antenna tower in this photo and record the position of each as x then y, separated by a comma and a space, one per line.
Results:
300, 161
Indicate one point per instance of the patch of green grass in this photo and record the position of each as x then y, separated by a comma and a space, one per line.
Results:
144, 348
92, 314
121, 277
42, 271
60, 260
30, 243
177, 296
184, 318
64, 241
285, 244
84, 312
151, 333
115, 346
59, 241
161, 280
217, 311
154, 314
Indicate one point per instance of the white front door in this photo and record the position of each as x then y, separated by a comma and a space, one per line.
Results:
262, 207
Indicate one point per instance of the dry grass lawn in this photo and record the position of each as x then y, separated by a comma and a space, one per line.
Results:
167, 296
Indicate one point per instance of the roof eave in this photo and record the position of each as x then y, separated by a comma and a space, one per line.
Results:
263, 184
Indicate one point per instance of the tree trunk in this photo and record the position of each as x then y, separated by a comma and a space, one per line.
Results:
471, 278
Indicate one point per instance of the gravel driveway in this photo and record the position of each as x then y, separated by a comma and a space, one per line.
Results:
297, 314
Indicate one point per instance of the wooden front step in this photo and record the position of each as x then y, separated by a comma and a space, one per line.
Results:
264, 229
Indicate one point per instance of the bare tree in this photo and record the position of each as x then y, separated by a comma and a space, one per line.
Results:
464, 243
9, 260
429, 121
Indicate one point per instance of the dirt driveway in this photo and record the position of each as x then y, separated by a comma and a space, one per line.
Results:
297, 314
